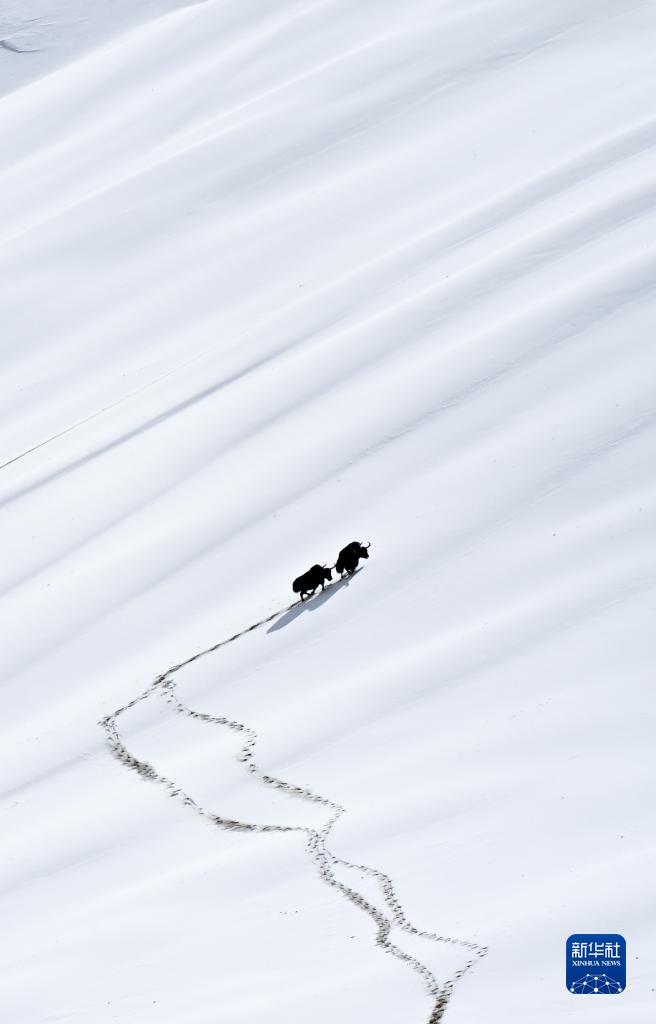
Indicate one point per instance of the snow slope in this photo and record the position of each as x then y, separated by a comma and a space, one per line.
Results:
273, 277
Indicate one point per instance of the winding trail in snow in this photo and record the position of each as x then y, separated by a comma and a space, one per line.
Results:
324, 860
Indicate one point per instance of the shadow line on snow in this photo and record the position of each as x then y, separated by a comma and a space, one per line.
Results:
321, 856
171, 412
310, 605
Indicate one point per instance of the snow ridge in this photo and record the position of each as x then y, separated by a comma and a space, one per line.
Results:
324, 860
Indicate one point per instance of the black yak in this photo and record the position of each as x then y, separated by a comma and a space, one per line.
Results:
349, 557
310, 580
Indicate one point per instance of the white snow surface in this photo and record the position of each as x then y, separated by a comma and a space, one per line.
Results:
274, 277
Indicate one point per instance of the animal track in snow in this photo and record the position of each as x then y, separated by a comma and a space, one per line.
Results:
324, 860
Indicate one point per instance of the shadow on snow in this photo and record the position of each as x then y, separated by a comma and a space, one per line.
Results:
311, 604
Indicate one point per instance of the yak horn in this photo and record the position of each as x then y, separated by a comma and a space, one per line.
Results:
367, 545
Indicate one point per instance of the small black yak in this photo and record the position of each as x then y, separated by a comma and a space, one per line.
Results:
310, 580
349, 557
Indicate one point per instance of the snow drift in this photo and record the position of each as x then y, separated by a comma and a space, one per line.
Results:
272, 278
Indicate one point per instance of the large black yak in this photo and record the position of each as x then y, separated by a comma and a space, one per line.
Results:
349, 557
310, 580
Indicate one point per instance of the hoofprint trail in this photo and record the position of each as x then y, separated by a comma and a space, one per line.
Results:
316, 839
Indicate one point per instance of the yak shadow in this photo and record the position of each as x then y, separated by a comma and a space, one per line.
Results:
311, 604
